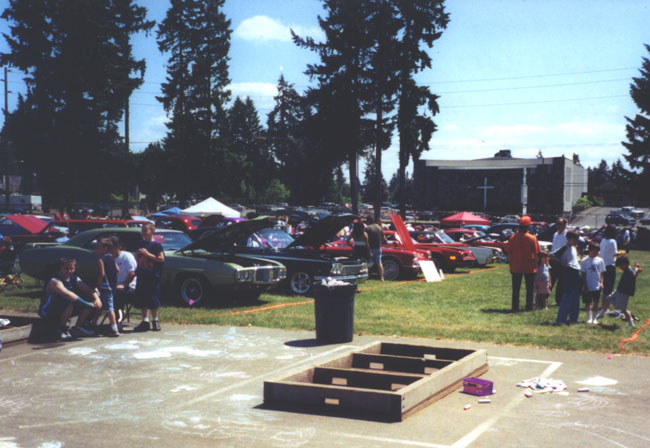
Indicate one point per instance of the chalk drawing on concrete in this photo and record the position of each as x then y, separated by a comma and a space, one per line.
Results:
8, 442
51, 445
237, 427
598, 381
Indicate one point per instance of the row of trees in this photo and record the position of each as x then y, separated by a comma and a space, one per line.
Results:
80, 73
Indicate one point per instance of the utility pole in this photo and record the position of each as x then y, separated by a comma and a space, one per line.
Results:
8, 158
524, 195
125, 201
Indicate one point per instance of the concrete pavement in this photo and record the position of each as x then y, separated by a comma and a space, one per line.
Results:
200, 386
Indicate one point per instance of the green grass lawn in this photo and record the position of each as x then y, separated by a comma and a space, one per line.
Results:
472, 305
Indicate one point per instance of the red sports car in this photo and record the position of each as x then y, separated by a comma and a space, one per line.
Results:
398, 261
446, 257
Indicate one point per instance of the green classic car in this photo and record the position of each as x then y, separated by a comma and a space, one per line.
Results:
190, 273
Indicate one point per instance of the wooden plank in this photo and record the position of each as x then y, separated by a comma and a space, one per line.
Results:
332, 399
420, 351
362, 379
397, 363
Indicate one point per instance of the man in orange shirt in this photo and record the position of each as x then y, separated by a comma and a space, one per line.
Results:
522, 252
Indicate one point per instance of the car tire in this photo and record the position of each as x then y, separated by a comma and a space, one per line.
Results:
439, 263
391, 269
192, 290
300, 282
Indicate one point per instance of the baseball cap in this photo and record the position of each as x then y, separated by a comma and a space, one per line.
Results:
525, 221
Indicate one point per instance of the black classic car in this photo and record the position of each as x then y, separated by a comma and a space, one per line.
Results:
306, 263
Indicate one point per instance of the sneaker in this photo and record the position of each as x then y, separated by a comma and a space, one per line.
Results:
113, 334
64, 335
590, 320
594, 321
630, 324
600, 314
77, 331
155, 325
120, 327
142, 327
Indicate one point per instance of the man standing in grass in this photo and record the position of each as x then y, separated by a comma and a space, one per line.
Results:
375, 240
150, 258
522, 252
559, 241
570, 302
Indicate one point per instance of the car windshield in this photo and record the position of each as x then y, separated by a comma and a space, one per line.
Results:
434, 236
269, 238
172, 240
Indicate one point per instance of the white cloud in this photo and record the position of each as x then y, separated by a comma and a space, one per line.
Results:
251, 89
264, 28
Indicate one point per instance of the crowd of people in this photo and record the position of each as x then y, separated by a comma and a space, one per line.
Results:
122, 279
594, 275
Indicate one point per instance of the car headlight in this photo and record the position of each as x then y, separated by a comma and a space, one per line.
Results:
337, 269
244, 275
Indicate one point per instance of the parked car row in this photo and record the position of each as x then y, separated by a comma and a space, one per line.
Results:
226, 258
219, 265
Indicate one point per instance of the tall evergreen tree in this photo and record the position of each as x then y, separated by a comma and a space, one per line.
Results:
79, 74
422, 24
341, 96
284, 125
370, 193
384, 27
638, 133
258, 163
196, 34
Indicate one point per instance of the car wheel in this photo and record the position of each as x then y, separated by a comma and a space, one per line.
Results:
300, 282
439, 264
193, 290
391, 269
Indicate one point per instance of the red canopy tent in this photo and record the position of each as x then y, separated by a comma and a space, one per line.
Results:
463, 218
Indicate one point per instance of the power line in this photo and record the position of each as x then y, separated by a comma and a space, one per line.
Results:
543, 86
548, 75
524, 103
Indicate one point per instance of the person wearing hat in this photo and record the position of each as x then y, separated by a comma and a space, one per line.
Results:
522, 252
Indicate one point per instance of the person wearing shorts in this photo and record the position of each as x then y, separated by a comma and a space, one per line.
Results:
63, 300
626, 288
375, 240
150, 258
593, 273
608, 252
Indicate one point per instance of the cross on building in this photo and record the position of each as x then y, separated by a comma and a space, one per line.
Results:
485, 188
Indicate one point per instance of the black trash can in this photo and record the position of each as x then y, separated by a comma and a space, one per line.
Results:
334, 312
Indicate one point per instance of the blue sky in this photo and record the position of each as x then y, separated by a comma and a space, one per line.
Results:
527, 75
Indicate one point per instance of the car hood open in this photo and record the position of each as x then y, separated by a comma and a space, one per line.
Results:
224, 238
321, 231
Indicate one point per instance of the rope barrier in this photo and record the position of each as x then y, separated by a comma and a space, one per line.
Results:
634, 336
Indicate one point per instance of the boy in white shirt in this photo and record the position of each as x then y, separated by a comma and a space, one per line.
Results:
125, 278
593, 272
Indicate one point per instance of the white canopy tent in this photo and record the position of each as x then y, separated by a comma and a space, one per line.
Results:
211, 206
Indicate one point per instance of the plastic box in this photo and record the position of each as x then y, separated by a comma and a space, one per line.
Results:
477, 386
